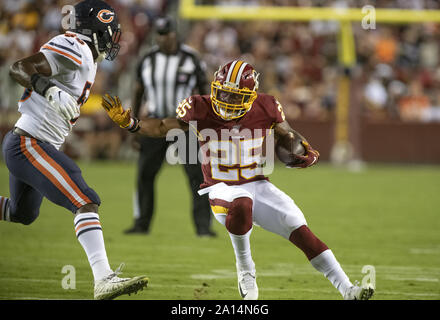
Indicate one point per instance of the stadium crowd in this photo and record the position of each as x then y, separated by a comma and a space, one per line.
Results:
397, 69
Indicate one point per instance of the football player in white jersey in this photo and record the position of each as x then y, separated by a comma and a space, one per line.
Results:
57, 81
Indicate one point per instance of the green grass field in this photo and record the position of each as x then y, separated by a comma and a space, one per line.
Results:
385, 216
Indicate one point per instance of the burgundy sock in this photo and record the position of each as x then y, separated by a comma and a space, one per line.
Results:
304, 239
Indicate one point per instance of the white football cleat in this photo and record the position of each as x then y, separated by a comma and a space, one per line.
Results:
356, 292
112, 286
247, 285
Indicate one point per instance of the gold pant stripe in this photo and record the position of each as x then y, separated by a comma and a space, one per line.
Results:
219, 209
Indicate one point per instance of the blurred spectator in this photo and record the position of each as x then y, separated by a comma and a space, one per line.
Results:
413, 106
376, 93
386, 47
432, 113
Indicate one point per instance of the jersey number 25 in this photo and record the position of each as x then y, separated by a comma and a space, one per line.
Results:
231, 160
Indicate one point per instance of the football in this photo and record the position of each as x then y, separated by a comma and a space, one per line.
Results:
286, 148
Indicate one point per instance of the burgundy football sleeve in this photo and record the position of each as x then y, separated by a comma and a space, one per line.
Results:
279, 113
186, 110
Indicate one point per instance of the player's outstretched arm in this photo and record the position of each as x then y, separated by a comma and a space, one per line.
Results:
149, 127
303, 154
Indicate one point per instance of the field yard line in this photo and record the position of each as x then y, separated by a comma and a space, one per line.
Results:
39, 280
433, 251
395, 268
357, 268
411, 279
411, 294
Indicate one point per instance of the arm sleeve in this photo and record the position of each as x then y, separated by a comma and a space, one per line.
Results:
278, 112
62, 54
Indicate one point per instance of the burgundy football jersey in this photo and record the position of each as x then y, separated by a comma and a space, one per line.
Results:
233, 151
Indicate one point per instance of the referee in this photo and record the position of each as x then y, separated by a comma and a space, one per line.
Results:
167, 74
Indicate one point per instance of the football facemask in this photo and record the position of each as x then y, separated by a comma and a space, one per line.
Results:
234, 89
107, 44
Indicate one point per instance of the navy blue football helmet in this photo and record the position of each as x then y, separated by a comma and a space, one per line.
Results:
98, 21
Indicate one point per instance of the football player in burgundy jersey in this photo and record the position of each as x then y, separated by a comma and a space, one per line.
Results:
233, 124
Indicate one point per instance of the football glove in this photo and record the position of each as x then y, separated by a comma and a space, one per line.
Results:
310, 158
63, 103
121, 117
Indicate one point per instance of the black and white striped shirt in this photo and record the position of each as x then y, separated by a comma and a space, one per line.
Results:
168, 79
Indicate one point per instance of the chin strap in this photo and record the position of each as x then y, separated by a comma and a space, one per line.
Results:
101, 55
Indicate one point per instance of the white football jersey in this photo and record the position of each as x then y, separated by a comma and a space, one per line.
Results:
74, 71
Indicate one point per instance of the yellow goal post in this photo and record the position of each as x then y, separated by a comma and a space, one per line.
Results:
190, 10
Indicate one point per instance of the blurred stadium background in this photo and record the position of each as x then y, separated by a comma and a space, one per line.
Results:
364, 97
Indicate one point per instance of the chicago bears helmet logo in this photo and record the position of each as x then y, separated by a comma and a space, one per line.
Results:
105, 16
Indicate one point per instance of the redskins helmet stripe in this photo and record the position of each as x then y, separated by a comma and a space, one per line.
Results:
228, 77
235, 72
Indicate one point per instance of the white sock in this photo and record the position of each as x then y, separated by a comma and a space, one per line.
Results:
242, 250
4, 209
326, 263
89, 233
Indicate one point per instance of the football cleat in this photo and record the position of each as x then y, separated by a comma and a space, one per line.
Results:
364, 292
112, 286
247, 285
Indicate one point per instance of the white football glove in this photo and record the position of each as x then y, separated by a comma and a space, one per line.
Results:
63, 103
